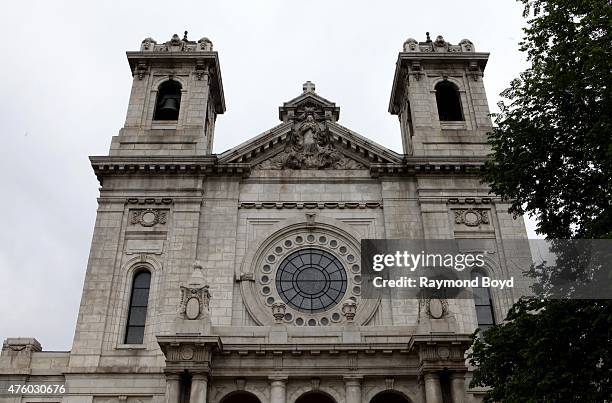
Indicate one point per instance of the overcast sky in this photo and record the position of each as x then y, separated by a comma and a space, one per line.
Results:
66, 82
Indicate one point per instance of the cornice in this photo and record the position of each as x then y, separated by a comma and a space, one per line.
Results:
199, 165
210, 166
412, 166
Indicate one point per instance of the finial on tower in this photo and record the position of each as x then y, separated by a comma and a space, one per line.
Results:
185, 37
428, 38
308, 86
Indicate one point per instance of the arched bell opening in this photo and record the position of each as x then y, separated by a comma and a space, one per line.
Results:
448, 102
240, 397
168, 101
315, 397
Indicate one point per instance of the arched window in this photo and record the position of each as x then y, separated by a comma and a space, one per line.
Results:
389, 397
449, 102
139, 299
484, 304
240, 397
168, 101
315, 397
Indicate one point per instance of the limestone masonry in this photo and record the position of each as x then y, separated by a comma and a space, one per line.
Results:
236, 277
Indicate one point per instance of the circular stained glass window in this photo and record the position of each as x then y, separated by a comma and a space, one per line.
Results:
311, 280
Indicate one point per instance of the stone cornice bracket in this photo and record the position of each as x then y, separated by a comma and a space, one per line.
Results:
201, 70
141, 69
444, 354
475, 71
416, 70
186, 352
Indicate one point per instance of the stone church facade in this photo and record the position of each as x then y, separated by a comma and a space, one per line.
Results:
236, 277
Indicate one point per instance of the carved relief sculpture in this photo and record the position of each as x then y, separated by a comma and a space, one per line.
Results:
471, 217
310, 147
195, 296
148, 217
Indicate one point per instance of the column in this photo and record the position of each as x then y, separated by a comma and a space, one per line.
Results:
353, 389
278, 386
173, 388
433, 389
458, 387
199, 386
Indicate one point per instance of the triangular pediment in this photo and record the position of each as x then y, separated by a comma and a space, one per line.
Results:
341, 149
309, 138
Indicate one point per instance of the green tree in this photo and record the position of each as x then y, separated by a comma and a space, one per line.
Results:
552, 148
552, 156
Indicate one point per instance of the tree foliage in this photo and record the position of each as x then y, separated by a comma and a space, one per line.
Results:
552, 157
552, 142
545, 352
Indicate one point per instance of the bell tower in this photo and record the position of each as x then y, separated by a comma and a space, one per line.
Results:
176, 96
440, 100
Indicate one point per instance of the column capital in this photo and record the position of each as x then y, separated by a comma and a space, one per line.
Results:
353, 379
278, 378
200, 375
173, 376
431, 375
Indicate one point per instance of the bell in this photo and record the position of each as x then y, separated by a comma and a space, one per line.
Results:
169, 106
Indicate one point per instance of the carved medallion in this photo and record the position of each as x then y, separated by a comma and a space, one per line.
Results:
443, 352
192, 308
186, 353
148, 217
471, 217
195, 296
436, 308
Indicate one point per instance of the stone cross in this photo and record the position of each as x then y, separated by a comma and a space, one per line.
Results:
308, 86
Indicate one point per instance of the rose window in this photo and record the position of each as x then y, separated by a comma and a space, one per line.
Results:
313, 273
311, 280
